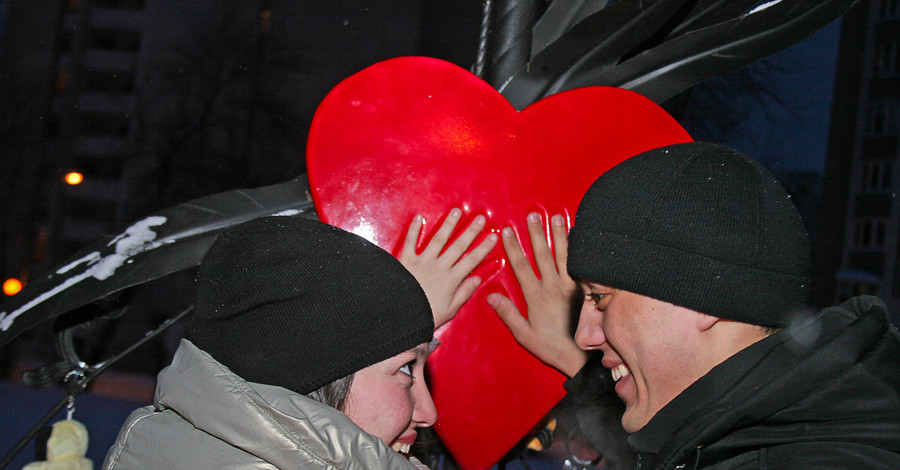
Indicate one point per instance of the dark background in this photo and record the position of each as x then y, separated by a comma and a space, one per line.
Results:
159, 102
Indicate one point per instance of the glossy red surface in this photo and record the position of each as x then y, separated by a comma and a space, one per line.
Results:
419, 135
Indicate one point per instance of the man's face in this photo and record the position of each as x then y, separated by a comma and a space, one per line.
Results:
648, 345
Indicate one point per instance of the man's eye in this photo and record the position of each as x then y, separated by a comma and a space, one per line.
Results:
594, 297
407, 369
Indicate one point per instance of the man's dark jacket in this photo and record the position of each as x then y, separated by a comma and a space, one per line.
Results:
822, 394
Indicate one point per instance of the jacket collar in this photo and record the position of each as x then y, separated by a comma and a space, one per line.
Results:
277, 425
762, 380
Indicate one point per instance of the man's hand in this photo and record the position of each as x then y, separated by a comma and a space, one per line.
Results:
444, 274
547, 332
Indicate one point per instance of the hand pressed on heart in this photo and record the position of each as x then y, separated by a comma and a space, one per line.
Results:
444, 274
547, 332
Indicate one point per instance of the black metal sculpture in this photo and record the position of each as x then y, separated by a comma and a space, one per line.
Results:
657, 48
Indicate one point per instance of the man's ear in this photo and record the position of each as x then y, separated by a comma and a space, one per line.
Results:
705, 322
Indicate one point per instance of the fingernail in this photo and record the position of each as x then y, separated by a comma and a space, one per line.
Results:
493, 300
558, 220
480, 220
508, 232
492, 237
455, 212
476, 280
534, 217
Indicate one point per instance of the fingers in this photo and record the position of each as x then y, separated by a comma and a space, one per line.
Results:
464, 240
412, 237
550, 264
464, 292
560, 242
509, 314
543, 257
471, 260
460, 245
439, 241
517, 260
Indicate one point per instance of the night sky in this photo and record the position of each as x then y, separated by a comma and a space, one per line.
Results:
800, 141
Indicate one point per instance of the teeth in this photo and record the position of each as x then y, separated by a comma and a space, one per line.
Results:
618, 372
400, 447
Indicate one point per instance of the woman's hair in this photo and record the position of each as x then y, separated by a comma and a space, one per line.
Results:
333, 394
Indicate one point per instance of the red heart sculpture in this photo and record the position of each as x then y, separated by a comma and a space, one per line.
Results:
418, 135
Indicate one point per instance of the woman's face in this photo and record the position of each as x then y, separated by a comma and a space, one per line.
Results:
390, 399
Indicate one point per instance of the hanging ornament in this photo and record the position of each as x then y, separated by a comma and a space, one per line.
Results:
67, 445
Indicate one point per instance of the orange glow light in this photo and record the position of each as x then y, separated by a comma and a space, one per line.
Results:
73, 178
12, 286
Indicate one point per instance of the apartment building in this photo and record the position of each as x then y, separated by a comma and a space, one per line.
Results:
858, 250
70, 71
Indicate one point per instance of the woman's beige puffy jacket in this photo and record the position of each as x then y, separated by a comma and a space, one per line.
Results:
206, 417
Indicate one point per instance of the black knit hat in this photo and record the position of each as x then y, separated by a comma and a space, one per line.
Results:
696, 225
297, 303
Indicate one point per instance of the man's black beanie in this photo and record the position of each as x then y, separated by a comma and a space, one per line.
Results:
297, 303
697, 225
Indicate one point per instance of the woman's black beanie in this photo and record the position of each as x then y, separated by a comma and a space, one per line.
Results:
696, 225
297, 303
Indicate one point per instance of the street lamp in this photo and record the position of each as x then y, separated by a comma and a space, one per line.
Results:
74, 178
12, 286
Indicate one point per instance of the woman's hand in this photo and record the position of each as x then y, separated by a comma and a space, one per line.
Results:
547, 332
444, 274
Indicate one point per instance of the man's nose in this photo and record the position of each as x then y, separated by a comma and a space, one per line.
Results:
589, 334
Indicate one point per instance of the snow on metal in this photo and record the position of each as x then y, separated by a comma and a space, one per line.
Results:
134, 240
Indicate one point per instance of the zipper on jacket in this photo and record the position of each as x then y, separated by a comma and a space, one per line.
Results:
696, 461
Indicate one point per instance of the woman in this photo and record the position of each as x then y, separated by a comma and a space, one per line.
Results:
306, 350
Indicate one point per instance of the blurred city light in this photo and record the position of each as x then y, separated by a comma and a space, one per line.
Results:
12, 286
73, 178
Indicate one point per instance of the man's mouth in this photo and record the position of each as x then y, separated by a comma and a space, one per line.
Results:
619, 372
401, 447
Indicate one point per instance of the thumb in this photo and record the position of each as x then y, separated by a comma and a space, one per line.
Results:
510, 316
464, 292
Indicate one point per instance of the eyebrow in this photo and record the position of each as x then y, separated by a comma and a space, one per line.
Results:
583, 286
591, 285
423, 350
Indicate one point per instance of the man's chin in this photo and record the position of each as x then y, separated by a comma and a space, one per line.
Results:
631, 423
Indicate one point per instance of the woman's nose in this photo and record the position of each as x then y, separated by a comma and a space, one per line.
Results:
424, 413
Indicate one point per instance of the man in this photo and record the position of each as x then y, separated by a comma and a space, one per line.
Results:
694, 266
